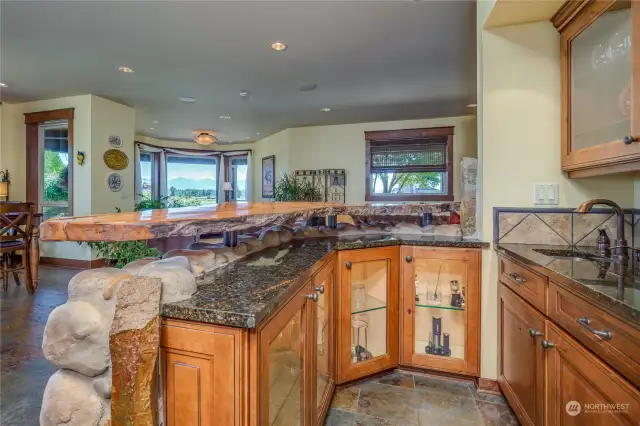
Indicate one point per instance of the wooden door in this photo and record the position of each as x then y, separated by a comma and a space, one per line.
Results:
283, 361
581, 389
323, 346
440, 309
367, 312
521, 357
202, 380
601, 89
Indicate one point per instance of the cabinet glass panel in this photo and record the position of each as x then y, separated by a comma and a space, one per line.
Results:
285, 375
368, 310
322, 336
601, 79
440, 316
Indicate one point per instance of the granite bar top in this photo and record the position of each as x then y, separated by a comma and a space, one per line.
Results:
245, 293
190, 221
606, 283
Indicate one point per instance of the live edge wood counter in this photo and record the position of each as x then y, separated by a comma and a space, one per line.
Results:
278, 364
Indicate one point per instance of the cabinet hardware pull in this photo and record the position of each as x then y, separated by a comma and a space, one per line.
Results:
313, 296
408, 258
409, 311
535, 333
628, 140
518, 279
604, 334
546, 344
320, 289
347, 264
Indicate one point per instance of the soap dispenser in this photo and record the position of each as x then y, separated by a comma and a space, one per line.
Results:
603, 243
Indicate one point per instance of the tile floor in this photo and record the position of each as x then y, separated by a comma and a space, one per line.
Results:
396, 398
401, 398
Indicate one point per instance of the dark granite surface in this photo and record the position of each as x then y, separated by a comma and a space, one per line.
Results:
608, 284
246, 292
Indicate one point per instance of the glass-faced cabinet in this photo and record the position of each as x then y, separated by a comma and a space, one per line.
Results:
601, 89
440, 308
368, 312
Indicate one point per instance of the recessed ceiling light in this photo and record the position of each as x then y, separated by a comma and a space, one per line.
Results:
187, 99
155, 121
125, 69
152, 128
3, 85
472, 105
225, 117
244, 93
279, 46
325, 109
247, 137
258, 133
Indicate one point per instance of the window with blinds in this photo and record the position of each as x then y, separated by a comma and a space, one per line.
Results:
410, 167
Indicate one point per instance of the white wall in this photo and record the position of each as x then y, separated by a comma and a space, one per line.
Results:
343, 147
520, 138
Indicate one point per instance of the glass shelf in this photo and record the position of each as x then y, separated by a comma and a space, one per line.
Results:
368, 304
424, 304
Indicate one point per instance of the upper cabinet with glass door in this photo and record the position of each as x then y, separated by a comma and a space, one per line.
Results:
601, 89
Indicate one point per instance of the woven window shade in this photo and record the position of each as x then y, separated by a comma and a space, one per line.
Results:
411, 156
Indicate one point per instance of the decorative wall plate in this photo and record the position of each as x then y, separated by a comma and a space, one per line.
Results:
115, 141
114, 182
116, 159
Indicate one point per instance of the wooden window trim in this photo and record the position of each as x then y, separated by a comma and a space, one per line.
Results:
408, 135
32, 122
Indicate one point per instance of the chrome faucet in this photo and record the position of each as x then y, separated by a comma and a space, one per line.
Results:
621, 250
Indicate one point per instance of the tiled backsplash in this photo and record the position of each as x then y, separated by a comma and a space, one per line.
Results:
561, 226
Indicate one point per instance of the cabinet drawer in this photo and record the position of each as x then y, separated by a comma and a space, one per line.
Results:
620, 348
526, 283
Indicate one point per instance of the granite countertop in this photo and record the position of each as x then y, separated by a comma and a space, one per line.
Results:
245, 293
606, 283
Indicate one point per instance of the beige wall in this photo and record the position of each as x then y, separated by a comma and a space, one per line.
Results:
343, 147
95, 120
278, 144
520, 143
192, 145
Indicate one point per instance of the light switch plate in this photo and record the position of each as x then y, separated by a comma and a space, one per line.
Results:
545, 194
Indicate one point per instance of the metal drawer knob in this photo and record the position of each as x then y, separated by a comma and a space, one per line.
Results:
518, 279
534, 333
313, 296
546, 344
408, 258
628, 140
603, 334
347, 264
320, 289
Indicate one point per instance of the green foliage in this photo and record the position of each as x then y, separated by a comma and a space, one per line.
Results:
120, 253
396, 182
288, 188
56, 182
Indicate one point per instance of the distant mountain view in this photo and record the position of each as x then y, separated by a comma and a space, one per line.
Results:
188, 183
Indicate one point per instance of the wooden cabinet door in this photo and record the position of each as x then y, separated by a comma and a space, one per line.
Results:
521, 357
323, 348
601, 89
367, 312
202, 382
284, 350
427, 303
581, 389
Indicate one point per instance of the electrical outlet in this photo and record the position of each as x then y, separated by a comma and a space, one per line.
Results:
545, 194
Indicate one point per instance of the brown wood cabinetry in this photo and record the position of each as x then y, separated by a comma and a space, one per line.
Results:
576, 379
521, 362
600, 48
367, 312
426, 303
549, 377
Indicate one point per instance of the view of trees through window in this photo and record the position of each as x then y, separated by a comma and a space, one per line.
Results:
55, 173
193, 178
408, 183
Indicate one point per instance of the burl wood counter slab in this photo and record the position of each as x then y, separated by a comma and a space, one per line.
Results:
189, 221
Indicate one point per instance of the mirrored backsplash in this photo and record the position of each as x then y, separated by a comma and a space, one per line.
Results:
561, 226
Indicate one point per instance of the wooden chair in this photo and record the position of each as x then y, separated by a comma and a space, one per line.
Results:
15, 235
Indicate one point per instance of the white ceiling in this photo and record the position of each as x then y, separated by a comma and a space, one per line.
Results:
371, 60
